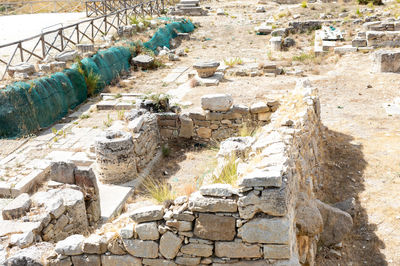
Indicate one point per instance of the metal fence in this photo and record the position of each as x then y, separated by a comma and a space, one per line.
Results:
42, 6
102, 7
57, 40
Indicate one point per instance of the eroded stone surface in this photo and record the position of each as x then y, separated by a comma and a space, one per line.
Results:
148, 214
264, 230
213, 227
237, 250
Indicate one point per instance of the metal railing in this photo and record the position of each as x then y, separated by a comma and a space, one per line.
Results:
57, 40
41, 6
102, 7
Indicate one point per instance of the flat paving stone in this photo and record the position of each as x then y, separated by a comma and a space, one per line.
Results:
112, 199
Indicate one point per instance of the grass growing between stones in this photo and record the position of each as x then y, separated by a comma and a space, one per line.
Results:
158, 190
228, 174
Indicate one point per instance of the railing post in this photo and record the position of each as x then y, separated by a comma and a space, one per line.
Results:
60, 32
21, 51
43, 46
77, 33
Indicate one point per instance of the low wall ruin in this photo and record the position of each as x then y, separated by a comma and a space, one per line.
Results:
268, 217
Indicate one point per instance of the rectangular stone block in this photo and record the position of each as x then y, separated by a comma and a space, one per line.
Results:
269, 177
199, 203
272, 201
237, 250
276, 251
213, 227
386, 61
141, 249
266, 230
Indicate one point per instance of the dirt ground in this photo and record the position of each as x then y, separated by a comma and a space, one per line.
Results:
362, 141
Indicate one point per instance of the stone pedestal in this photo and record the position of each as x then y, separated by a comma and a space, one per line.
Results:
276, 43
206, 69
115, 159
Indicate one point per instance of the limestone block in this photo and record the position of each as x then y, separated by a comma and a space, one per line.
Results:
267, 177
237, 250
141, 249
259, 107
66, 56
86, 260
75, 205
17, 207
272, 201
95, 244
186, 129
213, 227
236, 146
62, 172
203, 204
158, 262
147, 231
127, 231
276, 251
204, 132
148, 214
72, 245
181, 226
187, 261
266, 230
201, 250
124, 260
55, 207
337, 223
218, 190
24, 68
216, 102
307, 216
170, 245
386, 61
22, 240
276, 43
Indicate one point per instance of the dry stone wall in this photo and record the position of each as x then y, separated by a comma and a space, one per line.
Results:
218, 120
269, 218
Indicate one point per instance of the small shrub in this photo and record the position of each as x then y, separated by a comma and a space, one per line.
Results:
118, 95
246, 131
92, 80
304, 4
85, 116
165, 150
121, 114
109, 121
228, 173
233, 61
159, 191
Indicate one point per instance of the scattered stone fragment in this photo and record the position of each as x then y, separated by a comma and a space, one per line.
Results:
206, 69
148, 214
17, 207
337, 223
216, 102
72, 245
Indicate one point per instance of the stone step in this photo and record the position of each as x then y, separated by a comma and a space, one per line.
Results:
190, 2
112, 199
186, 8
186, 5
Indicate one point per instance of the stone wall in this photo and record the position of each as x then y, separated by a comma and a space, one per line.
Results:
218, 120
383, 38
123, 151
66, 208
268, 217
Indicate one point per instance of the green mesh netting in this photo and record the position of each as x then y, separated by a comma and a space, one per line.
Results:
163, 35
27, 107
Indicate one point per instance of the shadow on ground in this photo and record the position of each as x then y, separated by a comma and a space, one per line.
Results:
343, 179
